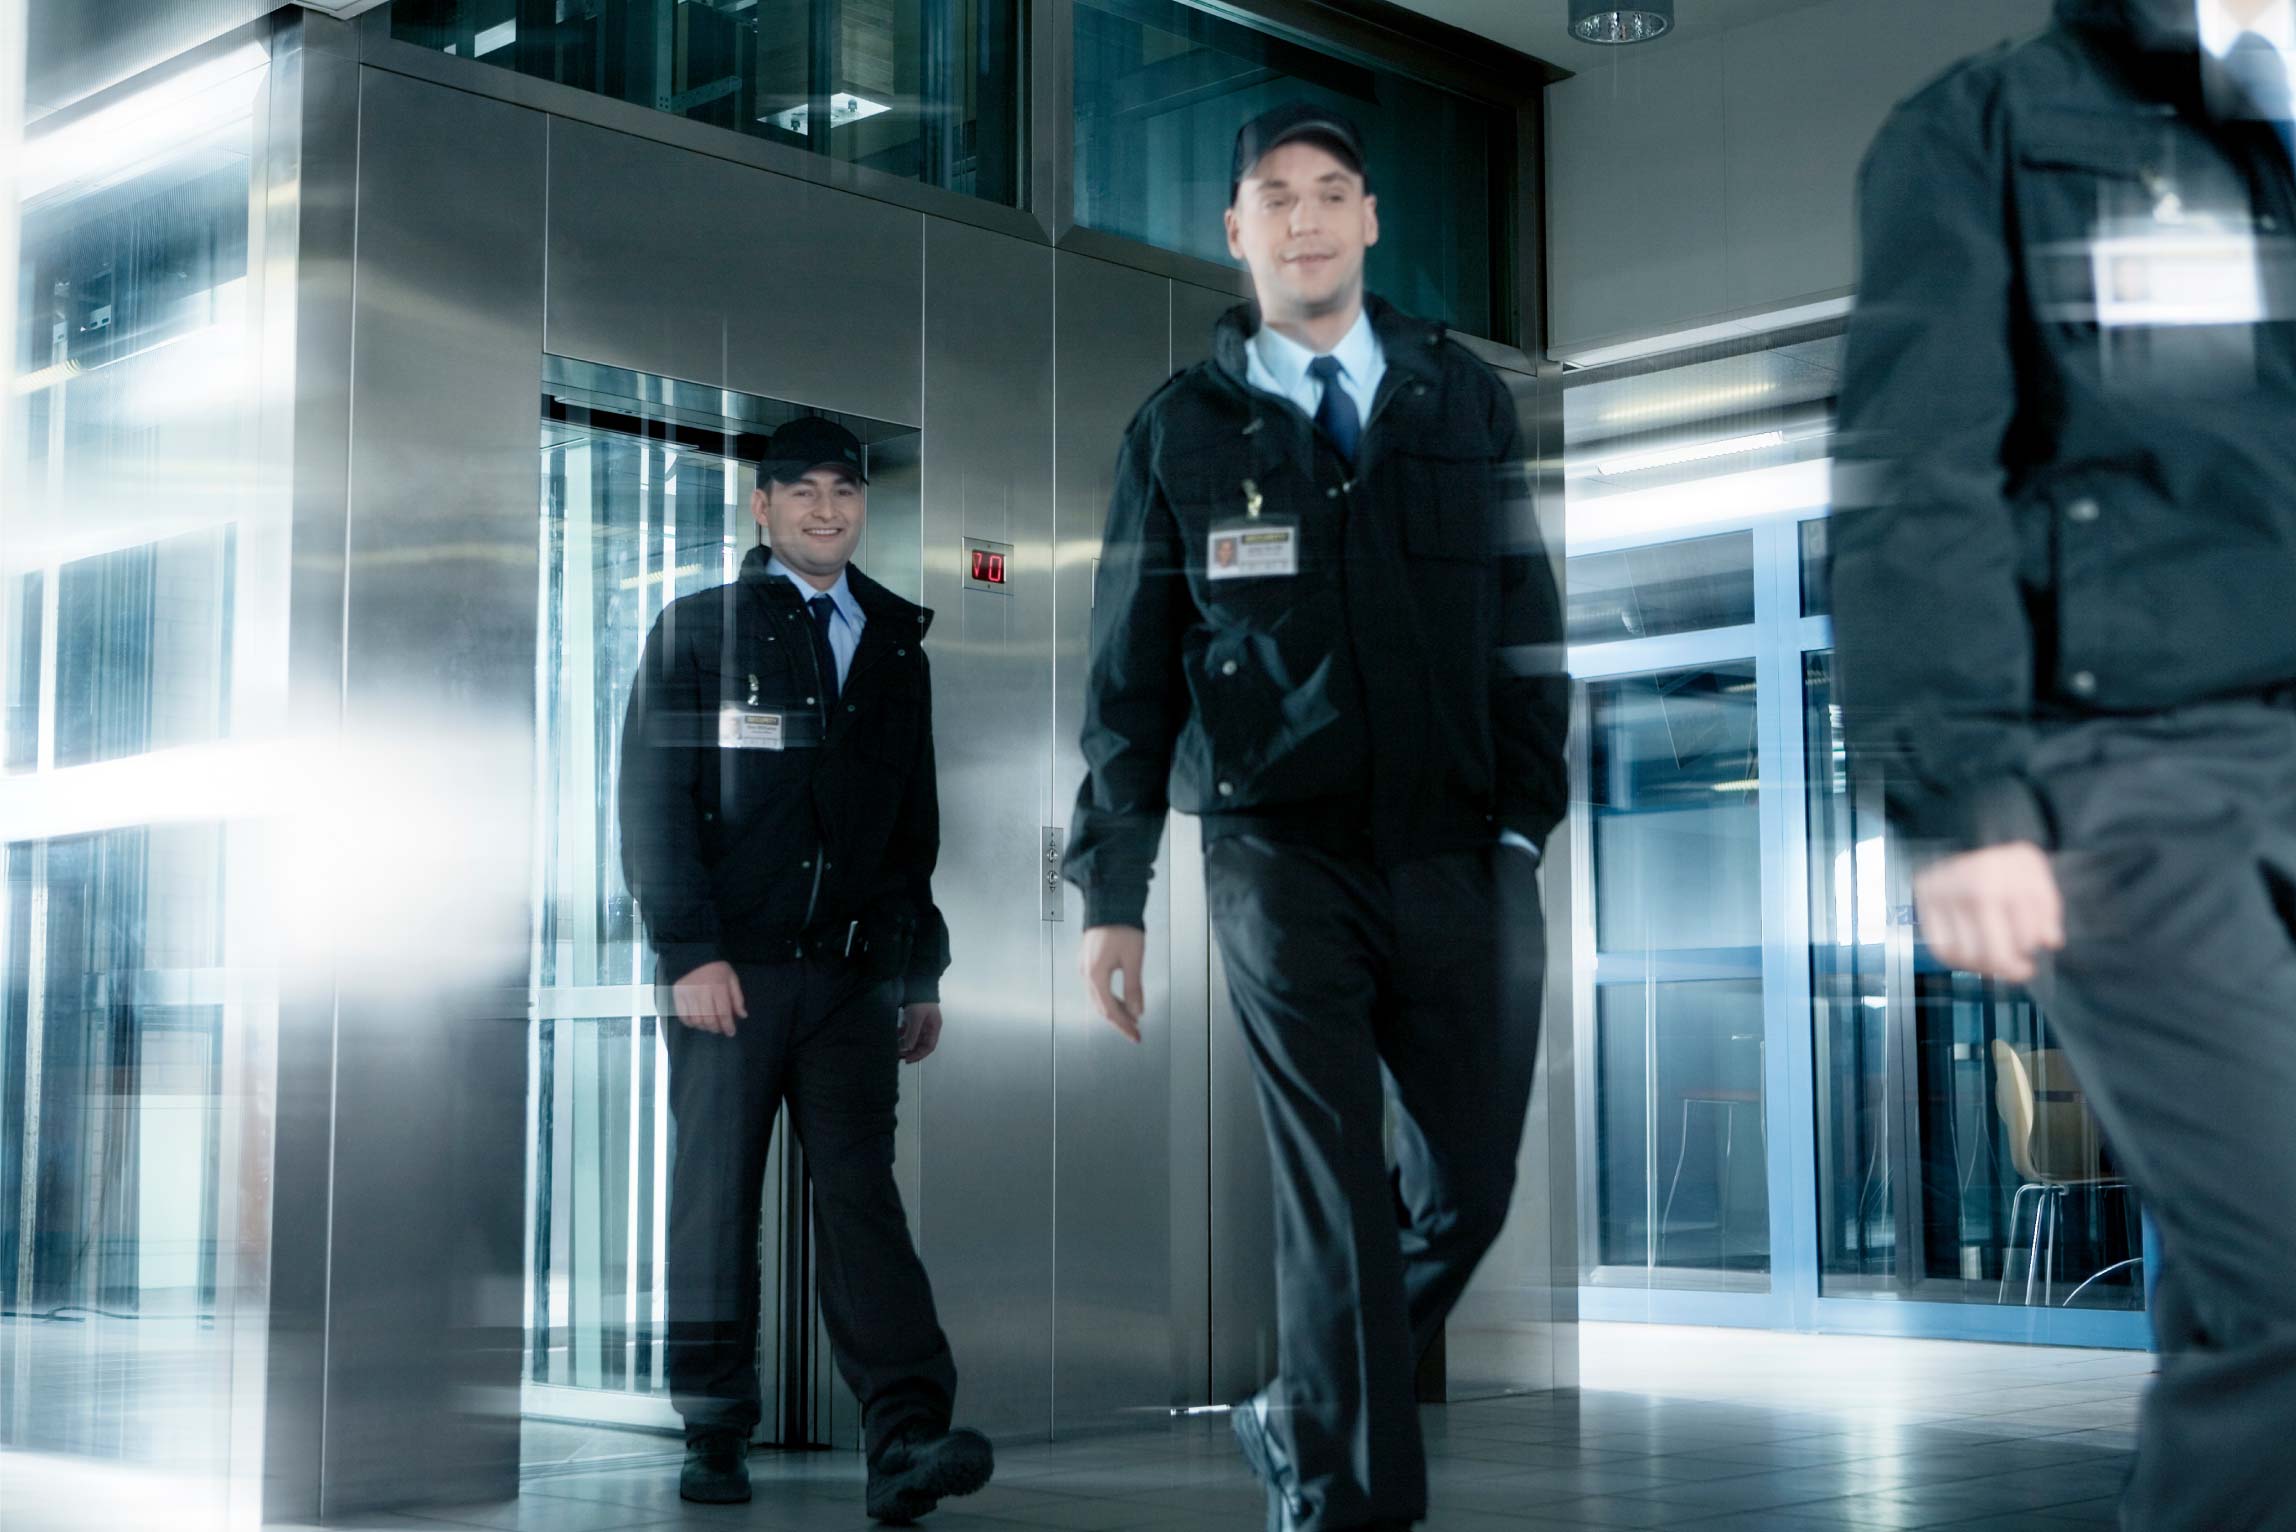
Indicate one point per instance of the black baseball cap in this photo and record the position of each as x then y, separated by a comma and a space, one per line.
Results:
811, 442
1295, 120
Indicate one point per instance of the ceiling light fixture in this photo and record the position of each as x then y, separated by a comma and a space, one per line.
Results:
1601, 21
1689, 452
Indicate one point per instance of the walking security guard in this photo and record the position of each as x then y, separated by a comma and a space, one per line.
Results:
1322, 625
779, 828
2062, 594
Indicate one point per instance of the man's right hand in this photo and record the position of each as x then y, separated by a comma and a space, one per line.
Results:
709, 999
1106, 952
1992, 912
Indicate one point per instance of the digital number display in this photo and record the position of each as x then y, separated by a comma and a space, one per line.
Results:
988, 568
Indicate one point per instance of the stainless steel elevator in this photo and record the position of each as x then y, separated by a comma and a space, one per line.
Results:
449, 253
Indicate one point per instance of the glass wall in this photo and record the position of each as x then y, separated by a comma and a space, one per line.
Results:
136, 1001
929, 90
1794, 1111
1162, 87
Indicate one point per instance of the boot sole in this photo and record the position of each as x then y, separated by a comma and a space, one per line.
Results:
949, 1475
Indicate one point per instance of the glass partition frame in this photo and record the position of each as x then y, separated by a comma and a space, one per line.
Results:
1778, 644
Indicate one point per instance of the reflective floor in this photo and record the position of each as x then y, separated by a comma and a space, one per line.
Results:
1726, 1431
1719, 1430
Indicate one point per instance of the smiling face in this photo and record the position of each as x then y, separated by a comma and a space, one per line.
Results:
814, 524
1302, 221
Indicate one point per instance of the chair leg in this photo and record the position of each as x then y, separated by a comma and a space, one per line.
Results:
2016, 1212
2033, 1256
1681, 1153
2056, 1202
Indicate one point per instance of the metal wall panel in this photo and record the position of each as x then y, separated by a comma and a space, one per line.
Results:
310, 228
1124, 1292
437, 765
679, 264
987, 1095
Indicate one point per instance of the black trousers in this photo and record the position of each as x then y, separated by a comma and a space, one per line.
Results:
2176, 998
1359, 986
828, 1041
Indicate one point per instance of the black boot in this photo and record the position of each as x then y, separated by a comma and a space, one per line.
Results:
717, 1469
917, 1472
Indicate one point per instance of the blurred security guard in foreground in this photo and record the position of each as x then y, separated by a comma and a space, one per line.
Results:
779, 829
1324, 626
2065, 601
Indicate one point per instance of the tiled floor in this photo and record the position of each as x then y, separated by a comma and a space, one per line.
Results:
1716, 1430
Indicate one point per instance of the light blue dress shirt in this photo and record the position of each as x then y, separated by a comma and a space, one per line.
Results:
844, 627
1277, 364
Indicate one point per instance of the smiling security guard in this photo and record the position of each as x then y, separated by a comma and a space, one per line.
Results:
1323, 625
779, 828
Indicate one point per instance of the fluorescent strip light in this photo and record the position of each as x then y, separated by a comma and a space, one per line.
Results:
1692, 452
171, 114
1598, 354
1648, 515
492, 38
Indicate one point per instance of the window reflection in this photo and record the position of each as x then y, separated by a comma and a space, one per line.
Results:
1161, 89
929, 90
1951, 1133
1681, 1144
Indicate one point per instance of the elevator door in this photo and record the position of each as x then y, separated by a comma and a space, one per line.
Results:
645, 487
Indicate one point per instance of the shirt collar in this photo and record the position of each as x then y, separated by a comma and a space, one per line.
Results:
2218, 31
841, 592
1287, 360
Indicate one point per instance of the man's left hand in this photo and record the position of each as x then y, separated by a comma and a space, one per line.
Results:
920, 1031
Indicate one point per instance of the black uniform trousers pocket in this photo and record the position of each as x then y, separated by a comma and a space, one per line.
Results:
2175, 998
825, 1039
1355, 984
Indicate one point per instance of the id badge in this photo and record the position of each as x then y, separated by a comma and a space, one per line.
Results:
741, 729
1261, 547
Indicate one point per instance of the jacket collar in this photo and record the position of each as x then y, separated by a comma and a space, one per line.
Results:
1408, 343
887, 613
2150, 26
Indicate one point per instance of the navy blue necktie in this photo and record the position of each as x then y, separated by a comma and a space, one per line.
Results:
824, 609
1336, 416
2263, 73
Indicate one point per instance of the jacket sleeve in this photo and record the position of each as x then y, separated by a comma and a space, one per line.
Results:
1933, 634
1135, 696
660, 809
914, 852
1530, 680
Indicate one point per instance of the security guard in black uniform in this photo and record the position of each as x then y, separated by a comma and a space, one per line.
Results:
1323, 625
2065, 602
779, 828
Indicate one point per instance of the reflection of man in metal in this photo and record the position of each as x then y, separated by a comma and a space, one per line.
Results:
779, 830
2063, 598
1361, 696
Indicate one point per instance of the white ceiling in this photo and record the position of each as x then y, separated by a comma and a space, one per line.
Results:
1541, 28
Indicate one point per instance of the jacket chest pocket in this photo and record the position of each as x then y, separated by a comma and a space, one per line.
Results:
2133, 222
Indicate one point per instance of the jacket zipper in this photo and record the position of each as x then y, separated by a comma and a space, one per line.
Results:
821, 852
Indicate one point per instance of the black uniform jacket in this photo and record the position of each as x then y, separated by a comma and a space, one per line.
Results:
825, 844
1402, 693
2067, 476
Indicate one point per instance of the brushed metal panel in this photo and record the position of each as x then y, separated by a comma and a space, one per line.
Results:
987, 1096
424, 1320
310, 231
680, 264
1116, 1321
